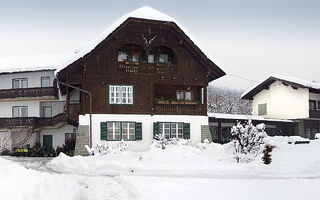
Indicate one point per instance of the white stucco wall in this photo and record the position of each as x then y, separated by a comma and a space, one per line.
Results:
147, 126
57, 107
33, 108
34, 78
58, 134
283, 102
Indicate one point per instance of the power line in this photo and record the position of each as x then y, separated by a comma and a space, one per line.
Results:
247, 79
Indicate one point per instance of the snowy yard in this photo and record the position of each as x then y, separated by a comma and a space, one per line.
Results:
178, 172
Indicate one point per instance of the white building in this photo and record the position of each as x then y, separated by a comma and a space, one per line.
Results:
282, 97
32, 110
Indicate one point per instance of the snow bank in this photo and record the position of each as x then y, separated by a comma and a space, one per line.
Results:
17, 183
288, 160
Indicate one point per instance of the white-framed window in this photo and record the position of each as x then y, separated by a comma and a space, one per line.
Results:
45, 81
20, 111
122, 56
120, 94
19, 83
171, 129
128, 130
150, 58
47, 111
177, 130
184, 95
113, 131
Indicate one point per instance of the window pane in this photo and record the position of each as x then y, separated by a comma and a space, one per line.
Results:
150, 58
15, 111
110, 131
163, 58
122, 56
47, 111
312, 105
125, 130
262, 109
15, 83
135, 57
188, 96
318, 105
180, 95
24, 83
23, 111
45, 81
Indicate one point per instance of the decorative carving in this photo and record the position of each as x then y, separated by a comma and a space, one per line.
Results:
146, 41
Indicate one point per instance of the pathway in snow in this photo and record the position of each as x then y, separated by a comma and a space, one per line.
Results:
94, 187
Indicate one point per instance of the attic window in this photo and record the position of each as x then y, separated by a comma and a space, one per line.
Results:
122, 56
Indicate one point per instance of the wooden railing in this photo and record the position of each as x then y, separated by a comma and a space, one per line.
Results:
180, 109
35, 122
314, 114
29, 92
135, 67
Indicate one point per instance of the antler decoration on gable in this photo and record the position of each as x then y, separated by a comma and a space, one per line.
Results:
147, 43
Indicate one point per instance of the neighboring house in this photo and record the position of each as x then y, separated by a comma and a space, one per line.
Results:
221, 124
32, 110
283, 97
146, 77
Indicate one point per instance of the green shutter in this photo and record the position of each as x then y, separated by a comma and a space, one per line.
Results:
103, 130
155, 128
138, 131
186, 131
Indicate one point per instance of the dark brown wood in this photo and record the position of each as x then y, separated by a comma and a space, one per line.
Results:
29, 92
187, 69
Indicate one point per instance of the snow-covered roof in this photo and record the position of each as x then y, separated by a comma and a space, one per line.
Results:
145, 12
29, 63
273, 77
244, 117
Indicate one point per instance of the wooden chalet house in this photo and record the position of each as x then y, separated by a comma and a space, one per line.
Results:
146, 76
32, 110
283, 97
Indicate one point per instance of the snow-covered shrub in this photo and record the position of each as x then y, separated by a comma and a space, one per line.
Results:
317, 136
247, 140
266, 154
107, 148
160, 141
203, 145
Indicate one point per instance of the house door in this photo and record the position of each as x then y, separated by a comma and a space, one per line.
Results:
47, 141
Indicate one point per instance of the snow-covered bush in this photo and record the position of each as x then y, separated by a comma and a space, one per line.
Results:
317, 136
247, 140
107, 148
160, 141
203, 145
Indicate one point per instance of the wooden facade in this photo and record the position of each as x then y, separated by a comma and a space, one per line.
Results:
155, 84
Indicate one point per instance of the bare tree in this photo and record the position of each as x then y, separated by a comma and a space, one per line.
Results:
225, 100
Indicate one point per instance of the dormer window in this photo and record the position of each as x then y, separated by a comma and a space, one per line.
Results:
131, 53
162, 54
19, 83
135, 57
163, 58
150, 58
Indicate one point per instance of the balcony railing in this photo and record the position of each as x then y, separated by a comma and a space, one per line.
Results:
35, 122
135, 67
314, 114
29, 92
180, 109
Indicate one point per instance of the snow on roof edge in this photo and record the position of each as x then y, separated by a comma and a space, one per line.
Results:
308, 84
145, 12
245, 117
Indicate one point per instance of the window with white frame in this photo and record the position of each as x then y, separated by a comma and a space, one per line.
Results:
113, 131
19, 83
122, 56
171, 130
47, 111
20, 111
128, 130
45, 81
120, 94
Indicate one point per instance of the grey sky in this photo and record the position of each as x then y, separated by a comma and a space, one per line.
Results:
248, 38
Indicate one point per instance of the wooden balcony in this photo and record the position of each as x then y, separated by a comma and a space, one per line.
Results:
181, 109
138, 67
29, 92
35, 122
314, 114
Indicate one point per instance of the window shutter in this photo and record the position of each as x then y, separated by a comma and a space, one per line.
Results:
186, 131
103, 130
138, 131
155, 128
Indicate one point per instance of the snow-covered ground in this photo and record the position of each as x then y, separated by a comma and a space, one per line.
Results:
178, 172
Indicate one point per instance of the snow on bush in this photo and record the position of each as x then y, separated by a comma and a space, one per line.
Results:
203, 145
248, 140
160, 141
106, 148
317, 136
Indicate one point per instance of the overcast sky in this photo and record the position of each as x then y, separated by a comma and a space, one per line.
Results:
246, 38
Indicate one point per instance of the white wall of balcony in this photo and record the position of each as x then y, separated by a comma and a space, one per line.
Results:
34, 78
